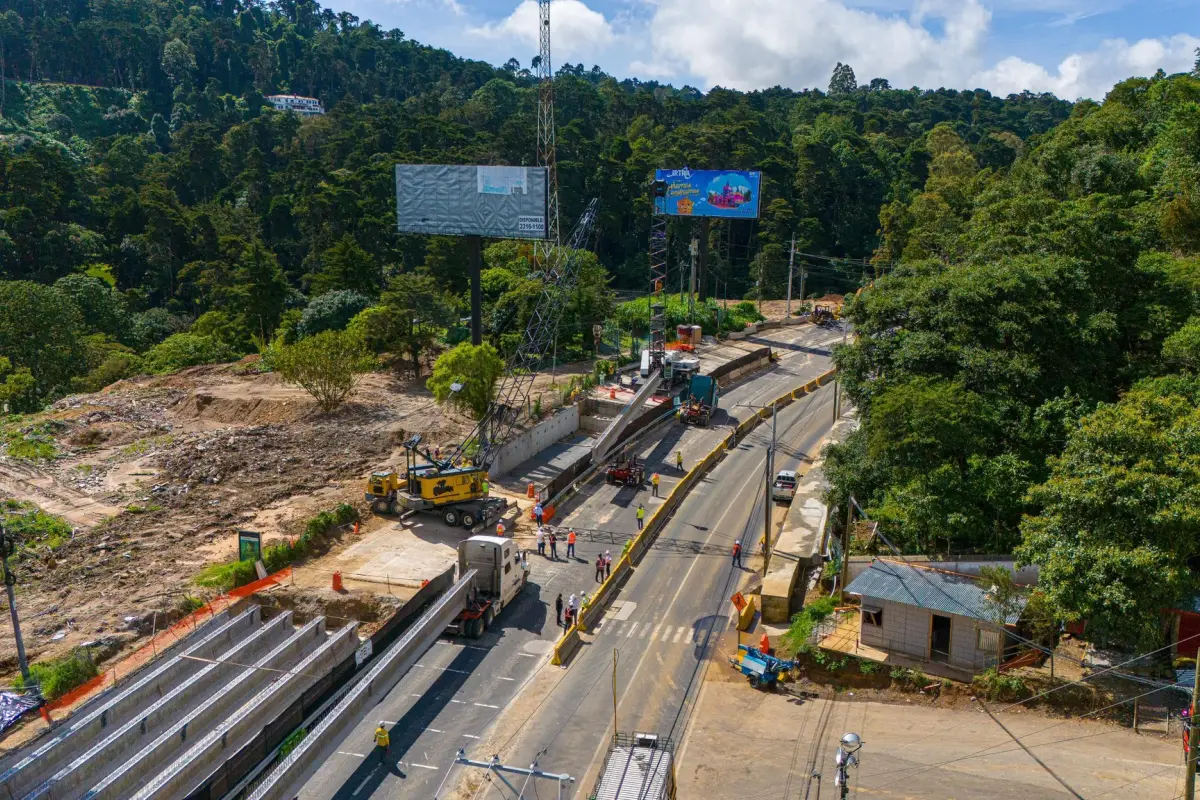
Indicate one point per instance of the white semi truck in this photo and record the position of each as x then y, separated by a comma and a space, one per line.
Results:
500, 574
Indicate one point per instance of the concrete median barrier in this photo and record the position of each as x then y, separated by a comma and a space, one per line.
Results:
566, 647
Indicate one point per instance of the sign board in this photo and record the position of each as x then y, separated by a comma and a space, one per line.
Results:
362, 654
739, 602
720, 193
499, 202
249, 545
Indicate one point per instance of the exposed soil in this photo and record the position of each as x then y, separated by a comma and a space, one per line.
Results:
155, 475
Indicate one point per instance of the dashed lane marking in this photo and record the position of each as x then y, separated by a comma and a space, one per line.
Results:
422, 766
348, 753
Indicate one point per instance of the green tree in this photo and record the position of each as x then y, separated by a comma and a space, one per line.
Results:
18, 392
104, 310
331, 312
346, 266
1120, 514
476, 368
842, 81
1182, 348
182, 350
417, 311
328, 366
40, 330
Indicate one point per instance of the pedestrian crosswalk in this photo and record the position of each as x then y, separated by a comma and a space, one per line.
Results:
654, 631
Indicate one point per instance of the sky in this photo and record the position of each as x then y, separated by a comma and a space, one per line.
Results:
1073, 48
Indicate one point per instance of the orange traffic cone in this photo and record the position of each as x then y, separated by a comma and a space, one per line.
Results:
764, 645
337, 581
530, 491
612, 393
356, 528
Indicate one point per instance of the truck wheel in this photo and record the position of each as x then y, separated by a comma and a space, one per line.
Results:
755, 682
489, 617
476, 629
382, 506
468, 519
450, 517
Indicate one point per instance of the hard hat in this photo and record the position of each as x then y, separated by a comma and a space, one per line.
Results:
739, 541
381, 723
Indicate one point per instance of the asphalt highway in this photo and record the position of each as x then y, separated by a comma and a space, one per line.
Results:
463, 689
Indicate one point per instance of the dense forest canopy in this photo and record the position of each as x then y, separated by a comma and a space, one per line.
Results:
1028, 348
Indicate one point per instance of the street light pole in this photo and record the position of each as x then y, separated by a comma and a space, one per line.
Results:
6, 549
791, 265
768, 476
846, 757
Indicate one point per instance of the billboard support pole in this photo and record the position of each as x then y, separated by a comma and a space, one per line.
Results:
475, 268
702, 264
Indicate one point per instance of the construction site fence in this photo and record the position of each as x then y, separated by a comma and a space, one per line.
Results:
265, 745
589, 615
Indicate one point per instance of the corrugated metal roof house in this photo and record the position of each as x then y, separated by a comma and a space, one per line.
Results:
932, 614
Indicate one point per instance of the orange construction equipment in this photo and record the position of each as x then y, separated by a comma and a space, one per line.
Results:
337, 582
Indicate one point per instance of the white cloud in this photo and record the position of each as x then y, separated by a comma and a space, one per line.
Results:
1092, 74
749, 44
578, 31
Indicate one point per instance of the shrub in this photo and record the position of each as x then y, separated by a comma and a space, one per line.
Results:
328, 366
153, 326
995, 685
117, 365
476, 367
909, 679
182, 350
292, 741
58, 676
804, 622
331, 311
868, 667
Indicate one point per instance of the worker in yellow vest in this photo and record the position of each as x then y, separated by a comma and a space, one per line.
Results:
654, 483
382, 740
641, 515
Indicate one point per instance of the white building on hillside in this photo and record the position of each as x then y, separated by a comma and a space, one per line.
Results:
305, 106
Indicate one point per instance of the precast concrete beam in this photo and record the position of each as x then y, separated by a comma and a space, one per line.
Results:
197, 764
285, 780
280, 662
73, 778
77, 735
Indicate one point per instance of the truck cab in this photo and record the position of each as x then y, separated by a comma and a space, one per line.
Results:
500, 575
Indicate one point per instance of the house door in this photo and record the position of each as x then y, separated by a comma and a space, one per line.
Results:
939, 639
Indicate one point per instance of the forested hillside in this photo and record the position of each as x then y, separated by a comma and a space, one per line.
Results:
1027, 375
182, 206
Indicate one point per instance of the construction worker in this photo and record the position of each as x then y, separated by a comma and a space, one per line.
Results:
541, 541
679, 460
558, 605
500, 528
599, 568
607, 563
537, 513
737, 553
625, 549
485, 486
553, 546
641, 515
571, 543
654, 483
382, 740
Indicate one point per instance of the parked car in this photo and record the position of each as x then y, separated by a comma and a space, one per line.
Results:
784, 487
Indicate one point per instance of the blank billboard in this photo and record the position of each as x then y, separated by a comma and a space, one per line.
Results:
499, 202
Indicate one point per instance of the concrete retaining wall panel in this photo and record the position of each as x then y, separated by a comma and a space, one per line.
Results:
524, 447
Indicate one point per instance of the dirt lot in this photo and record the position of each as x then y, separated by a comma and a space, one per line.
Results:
155, 474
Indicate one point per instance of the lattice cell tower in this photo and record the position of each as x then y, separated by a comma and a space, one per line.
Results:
545, 131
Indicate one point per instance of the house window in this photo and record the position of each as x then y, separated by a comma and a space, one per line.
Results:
989, 641
872, 616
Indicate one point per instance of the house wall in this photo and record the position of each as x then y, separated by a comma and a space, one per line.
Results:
906, 631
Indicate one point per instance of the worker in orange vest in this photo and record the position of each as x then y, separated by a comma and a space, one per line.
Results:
571, 543
654, 483
737, 553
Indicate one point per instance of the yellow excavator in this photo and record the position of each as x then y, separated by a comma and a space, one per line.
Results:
459, 494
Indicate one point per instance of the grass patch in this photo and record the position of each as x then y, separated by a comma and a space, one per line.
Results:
275, 557
30, 442
31, 526
143, 446
146, 509
58, 676
292, 742
1000, 687
913, 680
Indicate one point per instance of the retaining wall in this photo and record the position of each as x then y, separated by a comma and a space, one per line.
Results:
563, 423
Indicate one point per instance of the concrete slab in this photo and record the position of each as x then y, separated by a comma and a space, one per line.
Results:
402, 554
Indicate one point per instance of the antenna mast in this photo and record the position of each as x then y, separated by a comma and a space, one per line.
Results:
545, 130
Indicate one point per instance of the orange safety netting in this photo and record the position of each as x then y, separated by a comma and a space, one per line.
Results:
163, 638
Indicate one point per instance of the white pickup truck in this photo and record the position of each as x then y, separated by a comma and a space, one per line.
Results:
500, 575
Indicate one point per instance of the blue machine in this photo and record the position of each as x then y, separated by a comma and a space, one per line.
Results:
761, 669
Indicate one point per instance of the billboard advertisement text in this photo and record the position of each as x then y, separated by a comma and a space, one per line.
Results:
724, 193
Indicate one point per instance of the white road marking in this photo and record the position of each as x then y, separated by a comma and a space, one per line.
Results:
347, 753
501, 677
679, 633
666, 637
422, 766
364, 782
484, 705
470, 736
460, 702
434, 730
654, 635
528, 655
645, 630
444, 669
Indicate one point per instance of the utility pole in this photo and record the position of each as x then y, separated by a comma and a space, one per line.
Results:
803, 275
769, 502
791, 265
496, 768
845, 573
1189, 787
6, 550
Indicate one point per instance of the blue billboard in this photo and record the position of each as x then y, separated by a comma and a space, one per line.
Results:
725, 193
